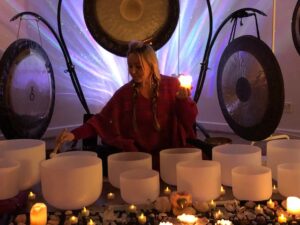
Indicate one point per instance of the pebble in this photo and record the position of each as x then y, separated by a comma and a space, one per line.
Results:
21, 218
68, 212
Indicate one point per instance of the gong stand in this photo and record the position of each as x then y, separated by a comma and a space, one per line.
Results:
59, 38
239, 14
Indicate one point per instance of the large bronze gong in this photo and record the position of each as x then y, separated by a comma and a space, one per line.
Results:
296, 27
27, 90
114, 23
250, 88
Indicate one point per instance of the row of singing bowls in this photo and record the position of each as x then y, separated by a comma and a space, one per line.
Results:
29, 153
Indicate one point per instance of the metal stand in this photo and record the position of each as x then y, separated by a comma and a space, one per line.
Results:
239, 14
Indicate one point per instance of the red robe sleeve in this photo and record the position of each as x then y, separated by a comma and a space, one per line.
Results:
106, 125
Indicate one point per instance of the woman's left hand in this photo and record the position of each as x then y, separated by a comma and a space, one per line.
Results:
183, 93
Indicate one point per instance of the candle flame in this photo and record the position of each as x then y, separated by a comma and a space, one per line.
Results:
185, 218
185, 81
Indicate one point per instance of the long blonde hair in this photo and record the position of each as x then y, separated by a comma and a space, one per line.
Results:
146, 54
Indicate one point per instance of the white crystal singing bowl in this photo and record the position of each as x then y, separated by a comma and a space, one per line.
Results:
139, 186
121, 162
252, 183
232, 155
282, 151
77, 153
29, 153
9, 178
71, 182
170, 157
200, 178
288, 179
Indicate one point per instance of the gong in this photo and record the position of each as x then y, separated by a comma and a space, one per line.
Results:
250, 88
296, 27
27, 90
114, 23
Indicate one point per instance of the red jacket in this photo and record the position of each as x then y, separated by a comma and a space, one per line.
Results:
114, 123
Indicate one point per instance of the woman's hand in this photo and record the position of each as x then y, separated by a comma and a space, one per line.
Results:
64, 136
183, 93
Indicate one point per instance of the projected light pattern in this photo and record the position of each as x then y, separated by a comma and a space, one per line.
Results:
101, 73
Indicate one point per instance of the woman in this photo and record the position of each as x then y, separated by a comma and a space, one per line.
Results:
149, 113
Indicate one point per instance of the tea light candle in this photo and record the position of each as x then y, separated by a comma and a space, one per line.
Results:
224, 222
73, 220
293, 205
165, 223
282, 219
185, 81
85, 212
31, 196
189, 219
91, 222
167, 191
110, 196
259, 209
222, 191
218, 215
275, 190
142, 219
38, 214
212, 204
132, 208
271, 204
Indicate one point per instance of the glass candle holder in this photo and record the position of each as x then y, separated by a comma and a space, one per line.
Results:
170, 157
253, 183
232, 155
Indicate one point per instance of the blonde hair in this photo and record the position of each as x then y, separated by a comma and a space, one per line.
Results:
146, 54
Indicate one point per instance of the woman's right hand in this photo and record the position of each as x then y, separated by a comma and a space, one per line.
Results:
64, 136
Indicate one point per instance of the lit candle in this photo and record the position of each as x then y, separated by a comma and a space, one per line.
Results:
38, 214
259, 209
212, 204
185, 81
132, 208
31, 196
165, 223
142, 219
85, 212
189, 219
222, 191
282, 219
271, 204
110, 196
91, 222
293, 205
218, 215
73, 220
275, 190
224, 222
167, 191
